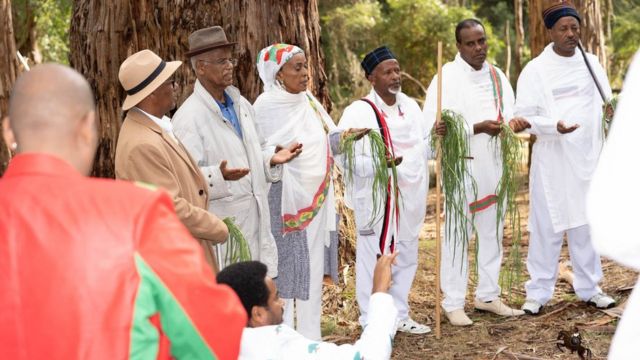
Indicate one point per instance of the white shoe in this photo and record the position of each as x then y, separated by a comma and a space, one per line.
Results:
408, 325
531, 307
458, 318
497, 307
602, 301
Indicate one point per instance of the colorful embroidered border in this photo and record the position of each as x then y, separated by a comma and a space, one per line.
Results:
483, 203
496, 84
304, 216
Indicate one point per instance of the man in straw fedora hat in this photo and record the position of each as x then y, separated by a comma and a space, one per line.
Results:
216, 125
559, 95
148, 151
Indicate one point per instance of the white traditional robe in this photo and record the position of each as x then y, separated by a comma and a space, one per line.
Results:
410, 138
612, 205
280, 342
470, 93
553, 88
210, 138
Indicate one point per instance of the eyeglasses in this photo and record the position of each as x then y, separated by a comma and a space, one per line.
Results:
221, 61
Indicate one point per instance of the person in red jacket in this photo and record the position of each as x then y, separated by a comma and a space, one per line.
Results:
95, 268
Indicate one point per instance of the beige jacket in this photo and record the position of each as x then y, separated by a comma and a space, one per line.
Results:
146, 153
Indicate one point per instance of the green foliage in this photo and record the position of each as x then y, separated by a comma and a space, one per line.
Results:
411, 28
625, 38
42, 28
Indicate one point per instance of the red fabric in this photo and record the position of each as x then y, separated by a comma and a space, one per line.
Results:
68, 280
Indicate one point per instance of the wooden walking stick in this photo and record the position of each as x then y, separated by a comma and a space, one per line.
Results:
438, 181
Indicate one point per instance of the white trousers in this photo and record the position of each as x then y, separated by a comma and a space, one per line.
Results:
307, 313
454, 267
402, 273
544, 252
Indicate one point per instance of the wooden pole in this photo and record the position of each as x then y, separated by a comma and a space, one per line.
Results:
437, 168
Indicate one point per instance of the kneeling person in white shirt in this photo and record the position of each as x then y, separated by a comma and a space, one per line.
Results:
265, 337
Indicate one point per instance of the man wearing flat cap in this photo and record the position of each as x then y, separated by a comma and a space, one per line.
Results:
559, 97
216, 125
400, 122
481, 94
149, 152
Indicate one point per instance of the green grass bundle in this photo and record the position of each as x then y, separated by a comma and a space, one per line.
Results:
236, 249
454, 148
511, 152
381, 178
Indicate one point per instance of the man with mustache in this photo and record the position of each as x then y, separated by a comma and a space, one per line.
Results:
559, 97
216, 125
482, 95
400, 122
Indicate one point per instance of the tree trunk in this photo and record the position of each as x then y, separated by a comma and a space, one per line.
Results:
519, 25
591, 33
104, 33
8, 70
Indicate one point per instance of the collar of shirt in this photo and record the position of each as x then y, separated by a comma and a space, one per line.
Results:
229, 112
164, 123
469, 68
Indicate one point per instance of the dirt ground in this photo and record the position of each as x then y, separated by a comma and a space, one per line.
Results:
490, 337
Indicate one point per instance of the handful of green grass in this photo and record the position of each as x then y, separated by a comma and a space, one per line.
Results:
454, 148
382, 181
237, 249
511, 152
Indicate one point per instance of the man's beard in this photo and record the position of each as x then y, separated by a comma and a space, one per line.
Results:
395, 90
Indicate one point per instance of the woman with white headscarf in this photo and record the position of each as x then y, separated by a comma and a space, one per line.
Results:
303, 216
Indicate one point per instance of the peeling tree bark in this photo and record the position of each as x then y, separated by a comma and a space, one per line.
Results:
8, 70
104, 33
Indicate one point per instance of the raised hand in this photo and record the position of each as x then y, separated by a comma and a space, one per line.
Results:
490, 127
382, 273
230, 174
564, 129
518, 124
284, 155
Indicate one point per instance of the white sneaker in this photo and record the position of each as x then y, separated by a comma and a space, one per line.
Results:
602, 301
531, 307
408, 325
497, 307
458, 318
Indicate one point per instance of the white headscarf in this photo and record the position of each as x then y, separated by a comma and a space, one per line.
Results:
271, 59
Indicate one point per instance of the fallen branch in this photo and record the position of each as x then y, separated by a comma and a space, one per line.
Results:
561, 308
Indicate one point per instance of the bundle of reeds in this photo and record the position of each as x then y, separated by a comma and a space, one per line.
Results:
509, 148
237, 249
455, 150
385, 174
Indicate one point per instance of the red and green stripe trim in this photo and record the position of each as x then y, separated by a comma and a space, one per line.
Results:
154, 298
496, 84
303, 217
483, 203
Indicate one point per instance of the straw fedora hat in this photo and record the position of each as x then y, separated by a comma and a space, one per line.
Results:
141, 73
207, 39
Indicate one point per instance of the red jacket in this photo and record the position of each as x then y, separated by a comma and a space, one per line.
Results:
102, 269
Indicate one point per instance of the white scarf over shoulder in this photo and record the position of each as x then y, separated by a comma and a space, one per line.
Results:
284, 118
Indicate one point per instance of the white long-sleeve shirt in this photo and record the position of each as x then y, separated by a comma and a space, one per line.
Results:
280, 342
